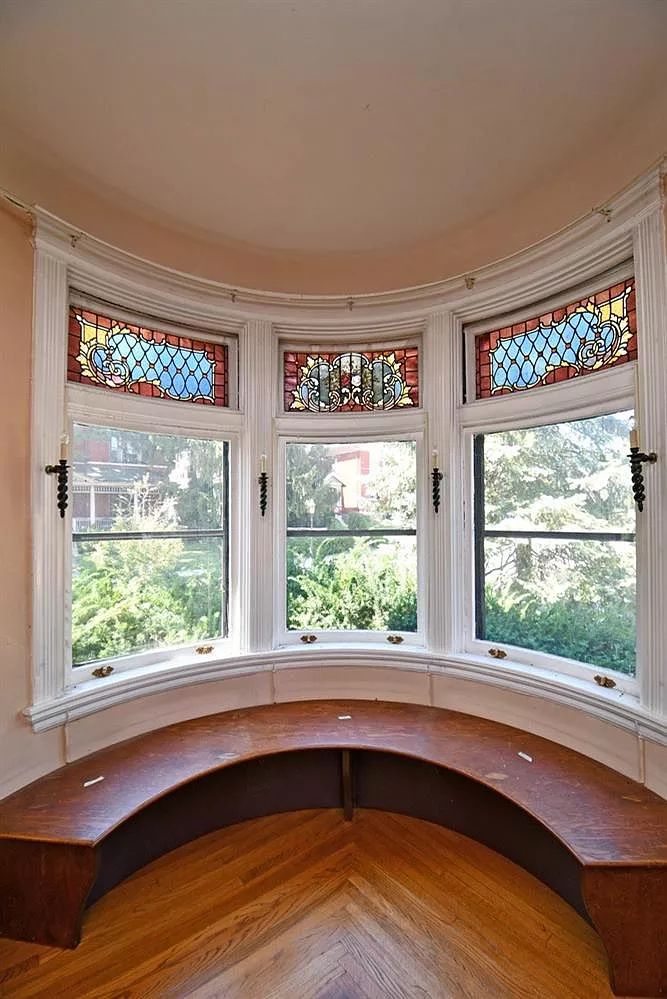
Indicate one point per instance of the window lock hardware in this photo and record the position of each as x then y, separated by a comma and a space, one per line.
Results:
308, 639
62, 471
637, 459
395, 639
102, 671
203, 650
498, 653
604, 681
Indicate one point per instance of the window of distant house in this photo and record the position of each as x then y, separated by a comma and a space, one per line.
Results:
351, 545
554, 517
150, 557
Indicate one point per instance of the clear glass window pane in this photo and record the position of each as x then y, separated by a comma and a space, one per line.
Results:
150, 540
145, 594
127, 480
565, 477
352, 486
555, 543
351, 536
569, 598
355, 584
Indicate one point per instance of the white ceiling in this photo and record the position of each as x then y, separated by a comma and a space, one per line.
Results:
324, 125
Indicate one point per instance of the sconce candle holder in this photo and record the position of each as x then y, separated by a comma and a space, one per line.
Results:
263, 481
62, 471
436, 479
637, 459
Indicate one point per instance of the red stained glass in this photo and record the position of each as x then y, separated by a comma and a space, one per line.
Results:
125, 357
351, 381
589, 335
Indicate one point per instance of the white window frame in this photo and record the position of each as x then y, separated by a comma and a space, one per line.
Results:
94, 405
639, 250
388, 426
122, 416
600, 406
596, 394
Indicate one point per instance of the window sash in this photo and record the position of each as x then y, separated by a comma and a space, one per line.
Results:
379, 431
514, 417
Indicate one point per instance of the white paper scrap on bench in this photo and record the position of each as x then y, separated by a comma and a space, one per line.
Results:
344, 717
525, 756
95, 780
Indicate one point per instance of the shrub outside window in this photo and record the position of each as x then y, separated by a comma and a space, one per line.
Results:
351, 544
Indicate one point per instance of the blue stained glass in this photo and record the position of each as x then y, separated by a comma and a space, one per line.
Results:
594, 333
118, 356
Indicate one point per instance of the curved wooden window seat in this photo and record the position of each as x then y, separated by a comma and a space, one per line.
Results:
596, 837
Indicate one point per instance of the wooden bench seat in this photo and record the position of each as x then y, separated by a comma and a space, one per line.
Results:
596, 837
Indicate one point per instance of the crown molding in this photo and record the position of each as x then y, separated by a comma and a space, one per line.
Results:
596, 241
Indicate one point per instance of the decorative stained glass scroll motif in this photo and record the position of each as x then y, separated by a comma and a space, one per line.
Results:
351, 381
589, 335
118, 355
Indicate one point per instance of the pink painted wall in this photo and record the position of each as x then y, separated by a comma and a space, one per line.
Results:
23, 755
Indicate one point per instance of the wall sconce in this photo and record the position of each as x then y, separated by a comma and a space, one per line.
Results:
436, 479
263, 480
62, 471
637, 459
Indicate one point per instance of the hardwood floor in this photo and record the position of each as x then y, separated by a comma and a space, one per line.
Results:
307, 906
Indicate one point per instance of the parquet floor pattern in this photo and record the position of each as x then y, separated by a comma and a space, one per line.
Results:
307, 906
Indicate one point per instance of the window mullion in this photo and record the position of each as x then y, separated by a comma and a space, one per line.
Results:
50, 532
651, 273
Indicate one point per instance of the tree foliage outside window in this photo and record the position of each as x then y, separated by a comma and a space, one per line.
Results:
572, 597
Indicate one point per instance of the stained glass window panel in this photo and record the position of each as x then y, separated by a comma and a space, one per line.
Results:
589, 335
351, 381
117, 355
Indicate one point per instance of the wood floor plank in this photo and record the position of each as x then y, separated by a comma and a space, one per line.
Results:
307, 906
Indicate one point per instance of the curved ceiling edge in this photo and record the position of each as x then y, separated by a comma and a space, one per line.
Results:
573, 252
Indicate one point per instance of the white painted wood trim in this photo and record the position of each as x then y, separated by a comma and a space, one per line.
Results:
586, 247
438, 385
259, 360
93, 696
651, 273
49, 422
